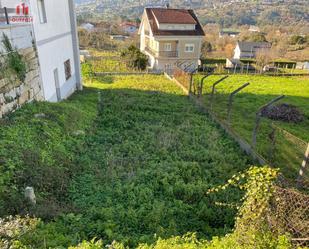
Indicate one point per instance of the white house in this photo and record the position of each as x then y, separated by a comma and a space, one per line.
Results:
302, 65
88, 26
248, 50
170, 38
53, 23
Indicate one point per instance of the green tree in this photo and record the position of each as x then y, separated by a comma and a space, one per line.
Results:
134, 58
297, 40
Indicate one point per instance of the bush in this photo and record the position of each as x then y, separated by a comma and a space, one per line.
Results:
297, 40
135, 58
14, 60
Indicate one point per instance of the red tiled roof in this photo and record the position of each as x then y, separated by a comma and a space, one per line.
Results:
128, 24
198, 31
174, 16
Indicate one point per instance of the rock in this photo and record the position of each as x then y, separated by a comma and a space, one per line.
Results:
79, 133
29, 195
40, 115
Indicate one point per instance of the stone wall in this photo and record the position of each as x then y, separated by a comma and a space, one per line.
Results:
13, 92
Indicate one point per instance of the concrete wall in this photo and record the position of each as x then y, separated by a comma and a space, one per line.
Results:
13, 92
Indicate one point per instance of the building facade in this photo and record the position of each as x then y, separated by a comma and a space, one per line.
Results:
170, 38
53, 23
249, 50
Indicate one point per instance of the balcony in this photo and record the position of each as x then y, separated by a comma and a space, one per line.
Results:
164, 54
169, 54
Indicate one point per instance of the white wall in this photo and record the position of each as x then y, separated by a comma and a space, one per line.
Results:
237, 52
50, 59
54, 42
19, 35
58, 19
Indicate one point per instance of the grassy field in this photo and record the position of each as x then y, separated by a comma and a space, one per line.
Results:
133, 168
263, 89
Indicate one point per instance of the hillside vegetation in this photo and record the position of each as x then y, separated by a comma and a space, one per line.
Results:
224, 12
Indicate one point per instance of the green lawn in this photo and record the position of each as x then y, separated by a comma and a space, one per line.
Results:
139, 170
263, 89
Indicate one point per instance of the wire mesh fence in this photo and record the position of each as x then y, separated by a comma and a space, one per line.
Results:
238, 113
289, 213
289, 206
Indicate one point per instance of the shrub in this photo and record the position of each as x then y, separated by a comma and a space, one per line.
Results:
135, 58
14, 61
297, 40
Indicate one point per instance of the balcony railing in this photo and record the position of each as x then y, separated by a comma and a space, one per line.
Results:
166, 54
169, 54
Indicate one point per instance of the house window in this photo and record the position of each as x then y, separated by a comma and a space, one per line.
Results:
42, 11
67, 69
167, 47
189, 48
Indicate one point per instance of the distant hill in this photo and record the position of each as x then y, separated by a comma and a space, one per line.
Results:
224, 12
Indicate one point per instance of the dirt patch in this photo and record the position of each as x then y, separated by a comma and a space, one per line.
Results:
284, 112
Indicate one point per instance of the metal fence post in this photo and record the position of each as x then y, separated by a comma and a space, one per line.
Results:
303, 168
259, 116
230, 104
214, 88
191, 84
200, 92
6, 15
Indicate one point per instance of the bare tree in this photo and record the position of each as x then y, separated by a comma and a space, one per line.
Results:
264, 57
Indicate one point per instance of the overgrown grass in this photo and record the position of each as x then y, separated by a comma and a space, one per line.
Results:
263, 89
141, 170
38, 148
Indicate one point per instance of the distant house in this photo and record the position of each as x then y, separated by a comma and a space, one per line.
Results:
87, 26
229, 33
302, 65
129, 27
248, 50
254, 29
233, 63
170, 38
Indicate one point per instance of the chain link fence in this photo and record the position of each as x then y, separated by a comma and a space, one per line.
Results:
289, 213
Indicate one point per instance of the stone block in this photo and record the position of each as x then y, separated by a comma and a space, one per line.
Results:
3, 83
24, 97
26, 51
2, 100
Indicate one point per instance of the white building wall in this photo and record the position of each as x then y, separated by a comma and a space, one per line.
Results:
51, 59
